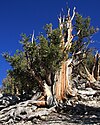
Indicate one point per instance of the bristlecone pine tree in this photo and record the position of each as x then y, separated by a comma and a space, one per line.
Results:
47, 63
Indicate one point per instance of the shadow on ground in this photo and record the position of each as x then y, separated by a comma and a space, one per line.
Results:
81, 114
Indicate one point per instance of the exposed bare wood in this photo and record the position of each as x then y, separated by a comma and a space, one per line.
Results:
60, 22
58, 86
39, 103
76, 63
89, 76
69, 12
95, 86
33, 37
63, 80
70, 28
62, 77
95, 70
68, 76
63, 86
63, 18
73, 14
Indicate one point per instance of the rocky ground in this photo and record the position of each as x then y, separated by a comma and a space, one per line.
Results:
81, 110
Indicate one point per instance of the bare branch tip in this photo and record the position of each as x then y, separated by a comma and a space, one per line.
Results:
74, 8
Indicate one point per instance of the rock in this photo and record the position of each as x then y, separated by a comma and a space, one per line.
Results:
1, 95
87, 109
41, 112
34, 107
36, 96
93, 116
50, 101
29, 123
2, 106
43, 118
88, 91
7, 100
38, 114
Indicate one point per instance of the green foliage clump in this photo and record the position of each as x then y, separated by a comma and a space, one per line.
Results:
36, 62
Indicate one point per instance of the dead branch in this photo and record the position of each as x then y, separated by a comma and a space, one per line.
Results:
95, 70
73, 13
89, 76
68, 43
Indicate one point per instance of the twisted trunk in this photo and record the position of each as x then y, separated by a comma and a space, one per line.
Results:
62, 86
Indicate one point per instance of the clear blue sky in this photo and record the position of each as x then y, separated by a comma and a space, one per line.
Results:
24, 16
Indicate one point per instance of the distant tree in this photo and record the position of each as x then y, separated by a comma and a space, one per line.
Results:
7, 85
